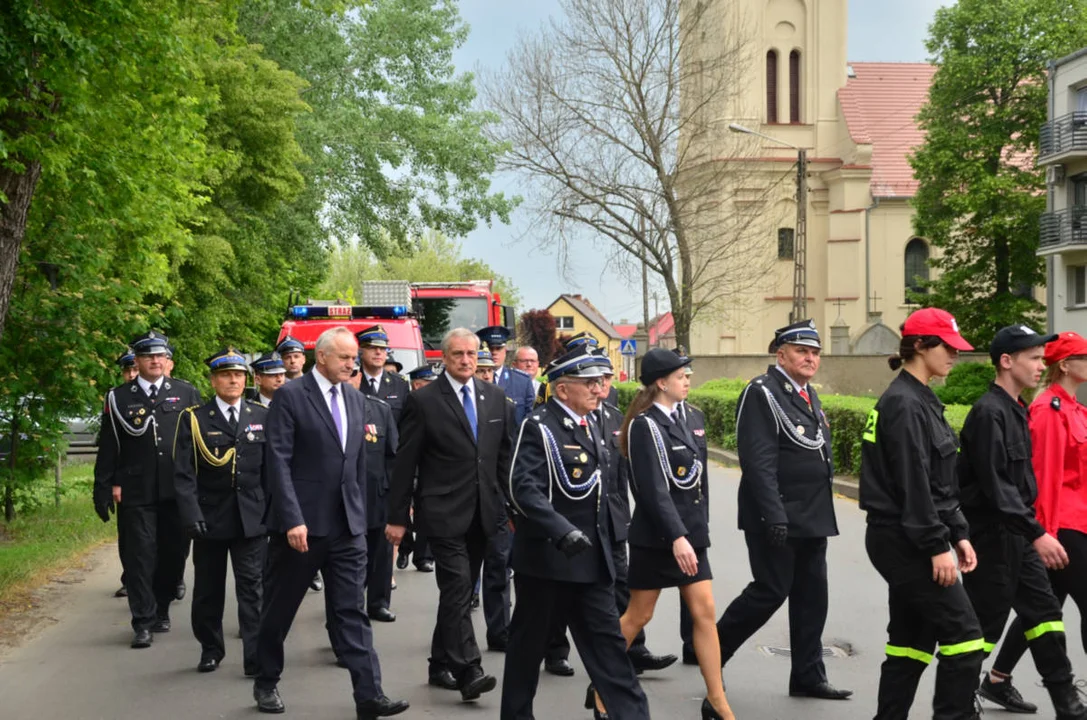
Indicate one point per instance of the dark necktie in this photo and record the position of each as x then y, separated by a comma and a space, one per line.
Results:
153, 392
470, 410
373, 386
233, 419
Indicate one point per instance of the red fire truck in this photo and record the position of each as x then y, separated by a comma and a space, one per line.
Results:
442, 306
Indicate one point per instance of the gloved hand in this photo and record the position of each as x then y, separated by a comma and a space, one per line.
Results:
777, 535
573, 543
197, 530
103, 507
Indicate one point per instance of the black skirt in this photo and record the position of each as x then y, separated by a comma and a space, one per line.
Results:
655, 568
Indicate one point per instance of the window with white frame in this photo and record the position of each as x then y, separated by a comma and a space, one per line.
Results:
564, 322
1077, 285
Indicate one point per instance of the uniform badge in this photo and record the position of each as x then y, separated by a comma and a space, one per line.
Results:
576, 473
137, 421
788, 388
143, 411
250, 437
681, 471
800, 429
568, 423
583, 457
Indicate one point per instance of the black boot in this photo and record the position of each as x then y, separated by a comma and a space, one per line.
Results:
1066, 702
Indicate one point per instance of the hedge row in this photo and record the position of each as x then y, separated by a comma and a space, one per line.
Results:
845, 413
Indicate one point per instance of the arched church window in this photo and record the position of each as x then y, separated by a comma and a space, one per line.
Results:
794, 86
771, 86
916, 265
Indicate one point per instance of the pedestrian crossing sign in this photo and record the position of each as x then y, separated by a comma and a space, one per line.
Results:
628, 347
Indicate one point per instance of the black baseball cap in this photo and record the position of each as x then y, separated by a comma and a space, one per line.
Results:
1013, 338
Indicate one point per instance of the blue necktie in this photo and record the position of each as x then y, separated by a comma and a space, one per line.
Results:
470, 410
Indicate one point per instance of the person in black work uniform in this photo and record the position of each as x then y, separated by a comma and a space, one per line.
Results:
135, 465
916, 528
373, 352
127, 363
786, 509
562, 549
998, 490
269, 374
415, 542
219, 480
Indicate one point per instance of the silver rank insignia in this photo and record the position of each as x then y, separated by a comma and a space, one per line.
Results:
583, 457
250, 437
788, 388
800, 429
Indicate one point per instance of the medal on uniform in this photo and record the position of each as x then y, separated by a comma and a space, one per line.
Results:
143, 411
681, 471
800, 429
137, 421
576, 473
250, 437
583, 458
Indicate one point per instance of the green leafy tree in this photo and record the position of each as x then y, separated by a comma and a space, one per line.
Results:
981, 196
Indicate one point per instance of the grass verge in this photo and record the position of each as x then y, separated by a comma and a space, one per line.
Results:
41, 541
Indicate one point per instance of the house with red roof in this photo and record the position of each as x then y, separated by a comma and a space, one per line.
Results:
857, 122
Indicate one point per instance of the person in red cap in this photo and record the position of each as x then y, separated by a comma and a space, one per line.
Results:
916, 529
1058, 430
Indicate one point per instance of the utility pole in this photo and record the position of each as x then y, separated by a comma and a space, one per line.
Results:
645, 278
800, 269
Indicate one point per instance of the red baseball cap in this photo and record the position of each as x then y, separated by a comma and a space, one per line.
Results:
1067, 344
934, 321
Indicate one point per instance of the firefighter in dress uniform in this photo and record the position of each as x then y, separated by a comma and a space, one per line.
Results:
916, 528
127, 363
219, 477
562, 556
135, 466
293, 354
269, 374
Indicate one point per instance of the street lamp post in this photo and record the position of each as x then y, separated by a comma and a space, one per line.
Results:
800, 233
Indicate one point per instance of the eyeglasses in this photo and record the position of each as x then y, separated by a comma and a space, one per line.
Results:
591, 382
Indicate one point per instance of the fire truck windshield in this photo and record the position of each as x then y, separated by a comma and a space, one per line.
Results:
440, 315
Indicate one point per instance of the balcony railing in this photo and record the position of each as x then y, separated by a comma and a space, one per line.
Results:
1064, 227
1064, 134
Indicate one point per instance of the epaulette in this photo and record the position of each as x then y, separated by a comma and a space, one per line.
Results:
375, 398
612, 407
1055, 403
254, 403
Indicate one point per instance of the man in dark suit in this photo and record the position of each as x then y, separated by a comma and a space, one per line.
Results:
562, 550
135, 465
786, 509
455, 435
316, 470
376, 380
219, 478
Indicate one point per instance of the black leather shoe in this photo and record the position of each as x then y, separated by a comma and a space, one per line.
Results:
425, 566
383, 615
649, 661
560, 667
121, 592
162, 625
1006, 696
402, 559
179, 591
822, 691
475, 682
317, 584
379, 707
268, 701
442, 679
142, 639
208, 664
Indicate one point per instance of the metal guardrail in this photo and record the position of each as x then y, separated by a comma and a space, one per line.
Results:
1063, 134
1063, 227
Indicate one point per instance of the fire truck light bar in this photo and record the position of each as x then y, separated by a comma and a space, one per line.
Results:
315, 312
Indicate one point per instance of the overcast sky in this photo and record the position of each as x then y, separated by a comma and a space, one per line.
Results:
878, 31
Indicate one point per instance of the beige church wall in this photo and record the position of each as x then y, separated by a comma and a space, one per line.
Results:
891, 227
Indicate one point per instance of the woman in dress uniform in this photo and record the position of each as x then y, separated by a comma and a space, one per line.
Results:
669, 531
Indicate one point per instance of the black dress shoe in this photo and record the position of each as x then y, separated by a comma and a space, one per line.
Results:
402, 559
442, 679
561, 667
121, 592
142, 639
383, 615
475, 682
379, 707
649, 661
208, 664
179, 591
317, 584
268, 701
822, 691
425, 566
161, 625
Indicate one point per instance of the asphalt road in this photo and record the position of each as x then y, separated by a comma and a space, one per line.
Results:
81, 667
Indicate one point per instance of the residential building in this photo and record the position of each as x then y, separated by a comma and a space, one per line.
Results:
574, 314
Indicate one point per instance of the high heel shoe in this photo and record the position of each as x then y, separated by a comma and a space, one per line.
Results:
590, 704
708, 713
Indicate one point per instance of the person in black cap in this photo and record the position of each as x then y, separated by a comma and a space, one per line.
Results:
997, 490
135, 465
786, 508
127, 363
376, 380
269, 374
669, 534
415, 542
515, 383
219, 479
562, 549
293, 353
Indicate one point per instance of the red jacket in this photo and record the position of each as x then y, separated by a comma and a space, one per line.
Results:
1058, 431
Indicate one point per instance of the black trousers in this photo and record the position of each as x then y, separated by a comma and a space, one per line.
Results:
797, 572
590, 611
922, 616
287, 575
1071, 581
154, 558
121, 541
415, 544
209, 559
495, 590
558, 648
457, 561
379, 570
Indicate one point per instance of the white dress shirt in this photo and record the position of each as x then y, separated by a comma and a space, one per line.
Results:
326, 386
146, 386
224, 408
457, 385
367, 377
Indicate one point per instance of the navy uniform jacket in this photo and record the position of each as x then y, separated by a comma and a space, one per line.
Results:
786, 466
696, 422
393, 389
546, 508
664, 509
381, 441
518, 387
135, 447
312, 479
229, 498
609, 420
